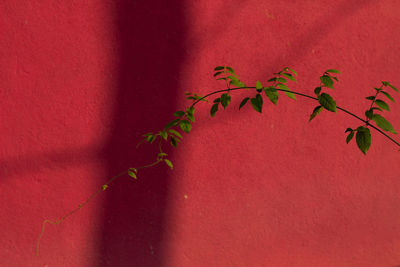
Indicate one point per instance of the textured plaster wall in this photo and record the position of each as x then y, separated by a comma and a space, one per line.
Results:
80, 81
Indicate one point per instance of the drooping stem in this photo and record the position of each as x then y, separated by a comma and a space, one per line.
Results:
303, 95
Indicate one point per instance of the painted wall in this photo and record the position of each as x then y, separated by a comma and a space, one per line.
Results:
81, 81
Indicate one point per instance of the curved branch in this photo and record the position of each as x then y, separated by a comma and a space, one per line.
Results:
303, 95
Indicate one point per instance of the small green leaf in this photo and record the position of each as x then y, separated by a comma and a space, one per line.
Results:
388, 96
151, 138
147, 134
185, 126
219, 68
244, 101
289, 76
333, 71
327, 102
217, 100
281, 80
174, 141
104, 187
349, 137
259, 86
293, 71
171, 123
317, 90
272, 79
327, 81
176, 133
382, 104
348, 130
363, 139
230, 70
369, 113
383, 123
236, 82
214, 109
394, 88
372, 97
162, 154
179, 113
272, 94
315, 112
169, 163
257, 103
225, 100
221, 79
217, 73
132, 174
375, 108
385, 83
291, 95
190, 113
164, 134
282, 86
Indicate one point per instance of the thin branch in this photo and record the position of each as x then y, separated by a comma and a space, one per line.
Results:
303, 95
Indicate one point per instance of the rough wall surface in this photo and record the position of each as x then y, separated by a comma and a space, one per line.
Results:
80, 81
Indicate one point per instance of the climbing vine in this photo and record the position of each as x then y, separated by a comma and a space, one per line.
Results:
173, 131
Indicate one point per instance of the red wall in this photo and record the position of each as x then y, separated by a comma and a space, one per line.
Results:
81, 81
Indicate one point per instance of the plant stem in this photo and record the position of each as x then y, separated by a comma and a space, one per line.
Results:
303, 95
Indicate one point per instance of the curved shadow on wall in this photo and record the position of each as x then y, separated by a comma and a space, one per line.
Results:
150, 36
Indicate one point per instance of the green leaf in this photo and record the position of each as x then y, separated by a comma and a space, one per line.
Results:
174, 141
169, 163
293, 71
236, 82
317, 90
190, 113
214, 109
371, 97
281, 80
176, 133
283, 86
219, 68
375, 108
327, 81
315, 112
333, 71
259, 86
257, 103
217, 100
244, 101
179, 113
382, 104
348, 130
132, 174
272, 94
394, 88
162, 154
363, 139
388, 95
383, 123
225, 100
327, 102
272, 79
104, 187
185, 126
171, 123
289, 76
349, 137
291, 95
369, 113
221, 79
217, 73
164, 134
230, 70
151, 138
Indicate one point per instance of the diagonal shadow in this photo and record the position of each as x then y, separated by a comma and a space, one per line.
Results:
151, 45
